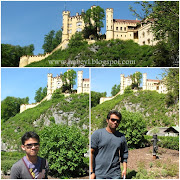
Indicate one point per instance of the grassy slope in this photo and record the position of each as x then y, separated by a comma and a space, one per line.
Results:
149, 103
104, 50
16, 126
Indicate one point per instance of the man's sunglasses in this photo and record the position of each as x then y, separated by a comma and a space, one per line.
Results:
36, 145
117, 120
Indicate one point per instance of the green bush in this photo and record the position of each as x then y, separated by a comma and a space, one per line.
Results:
6, 165
134, 128
8, 159
64, 148
165, 142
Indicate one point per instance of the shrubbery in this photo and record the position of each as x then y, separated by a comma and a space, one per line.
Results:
165, 142
134, 127
64, 147
8, 159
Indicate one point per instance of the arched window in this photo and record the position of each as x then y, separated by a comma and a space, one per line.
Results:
79, 23
78, 30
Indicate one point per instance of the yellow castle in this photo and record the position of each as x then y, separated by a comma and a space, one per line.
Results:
53, 83
136, 30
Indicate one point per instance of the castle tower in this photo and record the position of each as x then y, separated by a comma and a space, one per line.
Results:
109, 24
80, 82
144, 81
122, 83
65, 34
49, 84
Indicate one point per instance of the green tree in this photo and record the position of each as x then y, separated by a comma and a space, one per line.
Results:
95, 97
52, 40
68, 80
77, 41
115, 89
93, 19
128, 90
165, 26
134, 127
136, 79
10, 55
10, 106
64, 148
171, 80
40, 94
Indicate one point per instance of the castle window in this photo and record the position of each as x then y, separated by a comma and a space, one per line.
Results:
116, 28
144, 43
111, 27
143, 34
79, 30
149, 41
124, 28
70, 25
121, 28
79, 24
70, 31
148, 32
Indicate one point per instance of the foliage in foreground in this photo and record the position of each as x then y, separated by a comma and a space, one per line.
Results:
64, 147
165, 142
134, 127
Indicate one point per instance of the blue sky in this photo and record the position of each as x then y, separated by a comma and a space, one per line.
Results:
23, 82
103, 79
27, 22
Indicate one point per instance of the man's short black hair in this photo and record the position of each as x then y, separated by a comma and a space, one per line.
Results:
29, 135
118, 114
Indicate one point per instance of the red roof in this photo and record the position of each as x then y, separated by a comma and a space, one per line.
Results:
126, 21
85, 79
153, 80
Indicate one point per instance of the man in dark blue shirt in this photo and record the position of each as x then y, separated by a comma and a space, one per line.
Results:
107, 147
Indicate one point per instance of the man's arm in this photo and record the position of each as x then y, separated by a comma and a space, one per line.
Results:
92, 176
124, 169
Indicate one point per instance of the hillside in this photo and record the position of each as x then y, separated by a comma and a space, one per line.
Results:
102, 53
150, 104
72, 110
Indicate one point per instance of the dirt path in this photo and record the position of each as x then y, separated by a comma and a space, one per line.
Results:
143, 157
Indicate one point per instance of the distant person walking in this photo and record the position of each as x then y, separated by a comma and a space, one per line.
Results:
30, 166
107, 147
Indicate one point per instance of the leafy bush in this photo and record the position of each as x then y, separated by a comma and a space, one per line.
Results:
64, 147
134, 128
8, 159
165, 142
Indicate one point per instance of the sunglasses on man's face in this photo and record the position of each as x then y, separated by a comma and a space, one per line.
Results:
117, 120
36, 145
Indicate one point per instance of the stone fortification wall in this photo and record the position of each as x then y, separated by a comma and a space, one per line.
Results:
24, 107
25, 60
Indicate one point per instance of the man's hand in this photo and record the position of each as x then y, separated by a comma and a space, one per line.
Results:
93, 176
124, 169
124, 174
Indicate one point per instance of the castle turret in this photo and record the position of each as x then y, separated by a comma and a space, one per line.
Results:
49, 84
122, 83
65, 35
109, 23
144, 81
80, 82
